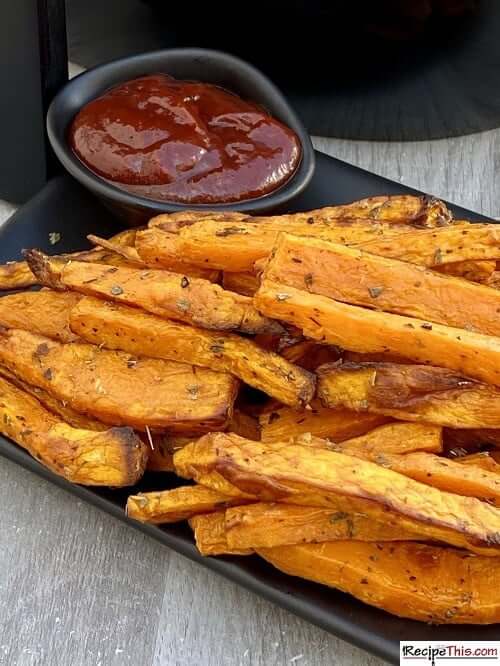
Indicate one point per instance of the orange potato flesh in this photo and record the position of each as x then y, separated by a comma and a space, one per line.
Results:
420, 211
270, 524
383, 284
168, 295
114, 457
44, 312
361, 330
56, 407
235, 244
238, 247
152, 246
282, 470
410, 393
183, 218
392, 439
172, 506
210, 535
196, 460
120, 327
125, 238
446, 247
448, 475
16, 275
417, 581
120, 389
405, 448
128, 252
482, 460
439, 249
337, 425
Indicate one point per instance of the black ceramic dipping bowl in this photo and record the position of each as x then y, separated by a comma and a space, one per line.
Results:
192, 64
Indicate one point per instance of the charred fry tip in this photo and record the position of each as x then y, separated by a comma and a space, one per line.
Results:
39, 264
135, 453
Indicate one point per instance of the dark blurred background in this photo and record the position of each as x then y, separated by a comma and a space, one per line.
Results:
380, 70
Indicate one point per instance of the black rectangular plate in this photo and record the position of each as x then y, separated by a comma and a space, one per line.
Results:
64, 207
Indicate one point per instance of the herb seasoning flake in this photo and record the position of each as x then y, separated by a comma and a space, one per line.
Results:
375, 291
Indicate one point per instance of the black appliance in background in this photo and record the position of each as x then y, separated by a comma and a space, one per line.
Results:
357, 69
33, 67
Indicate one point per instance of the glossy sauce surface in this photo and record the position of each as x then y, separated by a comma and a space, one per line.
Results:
184, 142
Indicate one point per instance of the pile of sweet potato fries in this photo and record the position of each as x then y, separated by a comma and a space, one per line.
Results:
328, 383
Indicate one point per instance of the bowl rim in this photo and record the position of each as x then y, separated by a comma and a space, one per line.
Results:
58, 121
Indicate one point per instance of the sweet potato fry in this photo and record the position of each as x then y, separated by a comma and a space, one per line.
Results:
210, 535
120, 327
61, 409
383, 284
410, 393
361, 330
283, 423
16, 275
245, 283
392, 439
236, 247
417, 581
441, 247
120, 389
115, 457
44, 312
169, 295
172, 506
279, 471
128, 252
448, 475
183, 218
421, 211
483, 460
270, 524
125, 238
154, 249
196, 461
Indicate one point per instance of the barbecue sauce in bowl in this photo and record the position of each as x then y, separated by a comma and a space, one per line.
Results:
185, 142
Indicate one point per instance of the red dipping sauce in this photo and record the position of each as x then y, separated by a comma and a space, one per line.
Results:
184, 142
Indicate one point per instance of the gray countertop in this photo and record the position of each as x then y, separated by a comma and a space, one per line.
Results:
78, 587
